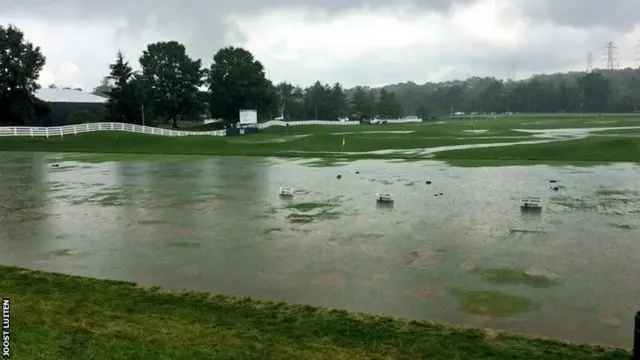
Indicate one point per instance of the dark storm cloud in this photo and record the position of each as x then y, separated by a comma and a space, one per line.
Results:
199, 24
202, 26
208, 16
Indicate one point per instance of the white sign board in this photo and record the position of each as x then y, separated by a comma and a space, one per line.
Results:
248, 117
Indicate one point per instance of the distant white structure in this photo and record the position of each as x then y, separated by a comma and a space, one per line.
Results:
286, 192
68, 96
531, 203
384, 198
248, 117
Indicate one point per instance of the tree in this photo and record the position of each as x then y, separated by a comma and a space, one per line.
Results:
363, 104
388, 106
237, 81
173, 79
20, 66
317, 104
596, 92
338, 102
124, 103
104, 88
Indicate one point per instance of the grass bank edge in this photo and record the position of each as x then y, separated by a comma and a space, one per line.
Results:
45, 294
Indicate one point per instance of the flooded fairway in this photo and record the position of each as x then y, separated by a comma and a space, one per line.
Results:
456, 250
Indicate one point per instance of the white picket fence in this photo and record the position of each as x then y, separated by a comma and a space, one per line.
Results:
83, 128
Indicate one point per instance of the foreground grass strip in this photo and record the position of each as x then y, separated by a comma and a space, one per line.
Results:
56, 316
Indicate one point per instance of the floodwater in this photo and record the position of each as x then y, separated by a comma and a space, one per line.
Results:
468, 256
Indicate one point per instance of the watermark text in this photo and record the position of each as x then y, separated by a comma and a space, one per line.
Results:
6, 338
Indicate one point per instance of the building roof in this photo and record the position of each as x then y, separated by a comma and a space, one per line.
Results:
68, 96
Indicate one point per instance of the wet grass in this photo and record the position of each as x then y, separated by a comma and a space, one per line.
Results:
101, 198
152, 222
57, 316
310, 206
326, 162
507, 276
308, 212
317, 144
587, 150
520, 162
97, 158
297, 218
493, 303
185, 244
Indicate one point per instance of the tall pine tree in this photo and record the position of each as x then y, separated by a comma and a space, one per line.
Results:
124, 104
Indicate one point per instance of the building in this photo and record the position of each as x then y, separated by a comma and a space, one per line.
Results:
64, 102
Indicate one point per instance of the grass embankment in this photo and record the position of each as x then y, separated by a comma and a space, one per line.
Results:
57, 316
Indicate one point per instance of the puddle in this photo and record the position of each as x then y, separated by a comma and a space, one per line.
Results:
218, 225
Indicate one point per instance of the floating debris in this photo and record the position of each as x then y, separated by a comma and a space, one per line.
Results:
286, 192
428, 182
339, 177
384, 198
531, 204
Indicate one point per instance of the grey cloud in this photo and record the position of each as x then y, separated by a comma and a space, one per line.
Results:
201, 26
620, 15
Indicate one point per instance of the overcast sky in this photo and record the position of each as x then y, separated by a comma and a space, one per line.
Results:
366, 42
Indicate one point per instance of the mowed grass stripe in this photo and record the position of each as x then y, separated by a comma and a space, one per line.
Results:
57, 316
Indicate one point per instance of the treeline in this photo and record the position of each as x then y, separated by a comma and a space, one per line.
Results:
611, 91
171, 86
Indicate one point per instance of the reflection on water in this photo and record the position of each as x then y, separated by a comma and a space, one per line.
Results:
453, 247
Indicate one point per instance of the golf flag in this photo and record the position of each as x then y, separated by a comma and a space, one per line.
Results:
343, 142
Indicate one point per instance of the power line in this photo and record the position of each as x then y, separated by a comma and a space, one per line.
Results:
612, 53
638, 54
590, 62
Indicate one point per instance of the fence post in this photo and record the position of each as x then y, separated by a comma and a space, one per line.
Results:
61, 131
636, 338
15, 131
75, 130
31, 131
46, 131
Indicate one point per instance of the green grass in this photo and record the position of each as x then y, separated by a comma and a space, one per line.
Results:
398, 141
587, 150
254, 145
56, 316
